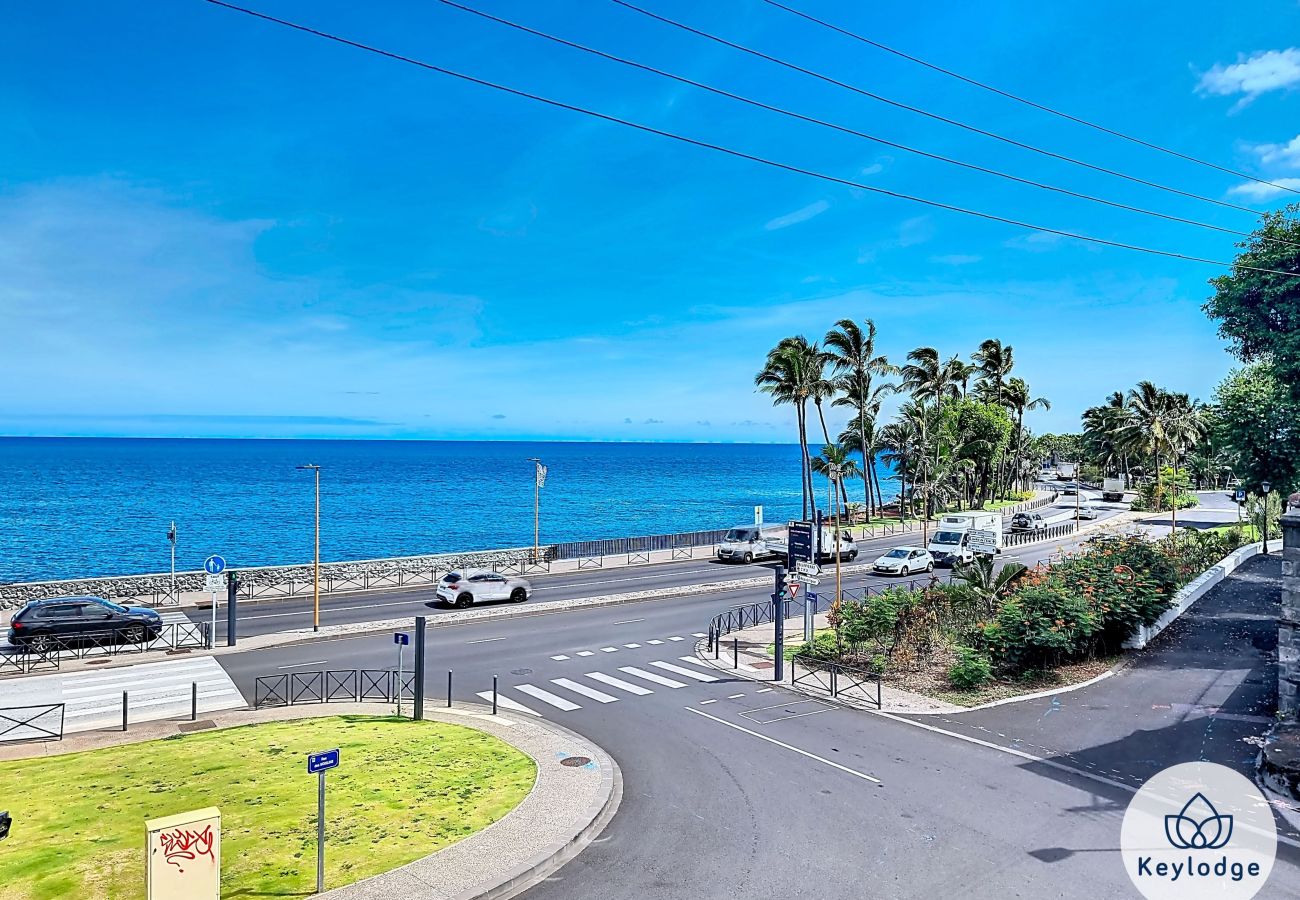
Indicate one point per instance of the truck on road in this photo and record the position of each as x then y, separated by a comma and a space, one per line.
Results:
750, 543
950, 543
1112, 489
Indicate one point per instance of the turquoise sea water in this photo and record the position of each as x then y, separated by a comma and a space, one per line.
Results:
78, 507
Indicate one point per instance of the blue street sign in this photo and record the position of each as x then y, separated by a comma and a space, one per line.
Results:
214, 565
1240, 495
402, 638
800, 541
320, 762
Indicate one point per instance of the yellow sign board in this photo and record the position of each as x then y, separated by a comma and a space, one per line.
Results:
184, 856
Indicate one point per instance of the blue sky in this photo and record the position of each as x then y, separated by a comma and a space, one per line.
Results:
210, 226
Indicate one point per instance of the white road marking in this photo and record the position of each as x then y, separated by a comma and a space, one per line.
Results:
785, 746
630, 621
651, 676
734, 696
631, 646
585, 653
699, 634
608, 649
507, 703
707, 702
696, 661
560, 658
314, 662
619, 683
678, 670
764, 691
547, 697
485, 640
654, 643
677, 638
598, 696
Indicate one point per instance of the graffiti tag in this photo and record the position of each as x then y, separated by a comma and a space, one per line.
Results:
184, 845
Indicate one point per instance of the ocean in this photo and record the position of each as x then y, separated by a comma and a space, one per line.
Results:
84, 507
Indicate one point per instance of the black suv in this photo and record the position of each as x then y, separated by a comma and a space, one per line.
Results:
45, 624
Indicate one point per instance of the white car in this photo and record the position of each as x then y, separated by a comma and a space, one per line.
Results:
904, 561
480, 586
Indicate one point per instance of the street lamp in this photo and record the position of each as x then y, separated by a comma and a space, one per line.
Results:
315, 620
1265, 487
836, 474
539, 480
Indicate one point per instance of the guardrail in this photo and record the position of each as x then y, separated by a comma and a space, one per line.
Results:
840, 679
332, 685
1019, 538
31, 723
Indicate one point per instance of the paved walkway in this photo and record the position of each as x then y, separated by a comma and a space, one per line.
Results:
566, 809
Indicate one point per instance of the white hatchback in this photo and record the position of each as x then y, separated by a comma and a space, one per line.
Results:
480, 586
904, 561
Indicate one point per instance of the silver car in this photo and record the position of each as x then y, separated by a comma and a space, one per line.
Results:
481, 586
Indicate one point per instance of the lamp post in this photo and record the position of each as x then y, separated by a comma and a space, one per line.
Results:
315, 619
1265, 487
836, 473
539, 479
171, 539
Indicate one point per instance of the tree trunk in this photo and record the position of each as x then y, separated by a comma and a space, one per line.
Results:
803, 459
867, 464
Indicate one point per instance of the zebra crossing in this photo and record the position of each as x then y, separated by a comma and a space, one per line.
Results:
162, 690
598, 689
656, 642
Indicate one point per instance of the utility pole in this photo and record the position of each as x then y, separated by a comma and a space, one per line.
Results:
539, 479
171, 539
315, 622
778, 618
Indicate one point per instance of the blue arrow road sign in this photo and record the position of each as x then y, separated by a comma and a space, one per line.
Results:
319, 762
402, 638
214, 565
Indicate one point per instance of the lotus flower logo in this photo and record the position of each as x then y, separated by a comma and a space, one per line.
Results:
1199, 826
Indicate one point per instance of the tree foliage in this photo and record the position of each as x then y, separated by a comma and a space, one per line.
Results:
1257, 427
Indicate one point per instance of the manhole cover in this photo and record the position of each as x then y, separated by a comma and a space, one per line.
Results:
575, 762
521, 671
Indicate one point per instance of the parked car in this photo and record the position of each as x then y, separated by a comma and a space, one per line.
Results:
44, 625
481, 586
904, 561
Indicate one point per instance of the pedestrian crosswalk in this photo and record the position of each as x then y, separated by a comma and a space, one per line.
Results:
93, 699
597, 689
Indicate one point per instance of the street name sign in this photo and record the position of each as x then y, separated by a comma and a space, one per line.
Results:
323, 761
808, 579
214, 565
983, 540
803, 567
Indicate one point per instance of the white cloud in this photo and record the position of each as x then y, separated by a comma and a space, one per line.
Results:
916, 230
1034, 242
1287, 154
811, 211
1254, 190
1251, 76
956, 259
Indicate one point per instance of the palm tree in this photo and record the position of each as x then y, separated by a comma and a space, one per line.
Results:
903, 449
1185, 427
1147, 422
994, 361
928, 379
1017, 398
851, 352
988, 585
835, 463
1103, 436
788, 376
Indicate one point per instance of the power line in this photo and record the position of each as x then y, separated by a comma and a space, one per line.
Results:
930, 115
844, 128
739, 154
1016, 97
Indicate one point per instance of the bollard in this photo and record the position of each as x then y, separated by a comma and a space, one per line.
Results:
449, 688
494, 695
194, 700
124, 710
735, 653
835, 690
716, 641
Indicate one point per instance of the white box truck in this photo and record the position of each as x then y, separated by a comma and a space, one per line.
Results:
1112, 489
749, 543
950, 542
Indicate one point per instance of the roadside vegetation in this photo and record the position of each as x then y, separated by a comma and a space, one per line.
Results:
404, 789
997, 631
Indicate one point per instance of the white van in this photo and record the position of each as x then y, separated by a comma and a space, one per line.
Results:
950, 542
746, 543
847, 547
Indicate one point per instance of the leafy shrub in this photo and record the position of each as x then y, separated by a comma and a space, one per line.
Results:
1171, 493
971, 670
1042, 623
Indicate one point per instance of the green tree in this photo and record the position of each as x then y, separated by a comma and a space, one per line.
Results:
1259, 312
1257, 427
792, 374
856, 367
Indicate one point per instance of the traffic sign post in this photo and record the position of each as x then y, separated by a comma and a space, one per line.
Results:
318, 764
809, 612
214, 565
401, 639
984, 541
778, 621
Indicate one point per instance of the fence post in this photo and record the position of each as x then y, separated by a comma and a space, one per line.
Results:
835, 683
494, 695
124, 710
449, 688
735, 653
194, 700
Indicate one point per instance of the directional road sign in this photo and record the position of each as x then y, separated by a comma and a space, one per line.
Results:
320, 762
808, 579
983, 540
804, 567
214, 565
801, 541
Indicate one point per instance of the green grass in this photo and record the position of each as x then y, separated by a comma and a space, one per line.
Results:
1250, 531
404, 789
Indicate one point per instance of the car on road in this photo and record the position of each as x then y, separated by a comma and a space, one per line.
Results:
44, 625
904, 561
1028, 521
462, 589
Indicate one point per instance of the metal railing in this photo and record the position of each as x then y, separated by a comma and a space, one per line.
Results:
1019, 538
32, 723
41, 648
862, 591
840, 679
637, 546
739, 618
332, 685
24, 662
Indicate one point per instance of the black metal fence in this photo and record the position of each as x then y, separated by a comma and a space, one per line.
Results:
840, 679
45, 651
31, 723
1019, 538
333, 685
635, 546
741, 617
23, 662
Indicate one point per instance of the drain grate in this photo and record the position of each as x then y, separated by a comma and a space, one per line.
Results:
575, 762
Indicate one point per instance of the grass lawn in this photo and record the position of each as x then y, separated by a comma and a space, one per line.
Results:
1250, 531
403, 789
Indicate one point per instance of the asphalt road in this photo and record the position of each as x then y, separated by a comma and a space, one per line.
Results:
283, 615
